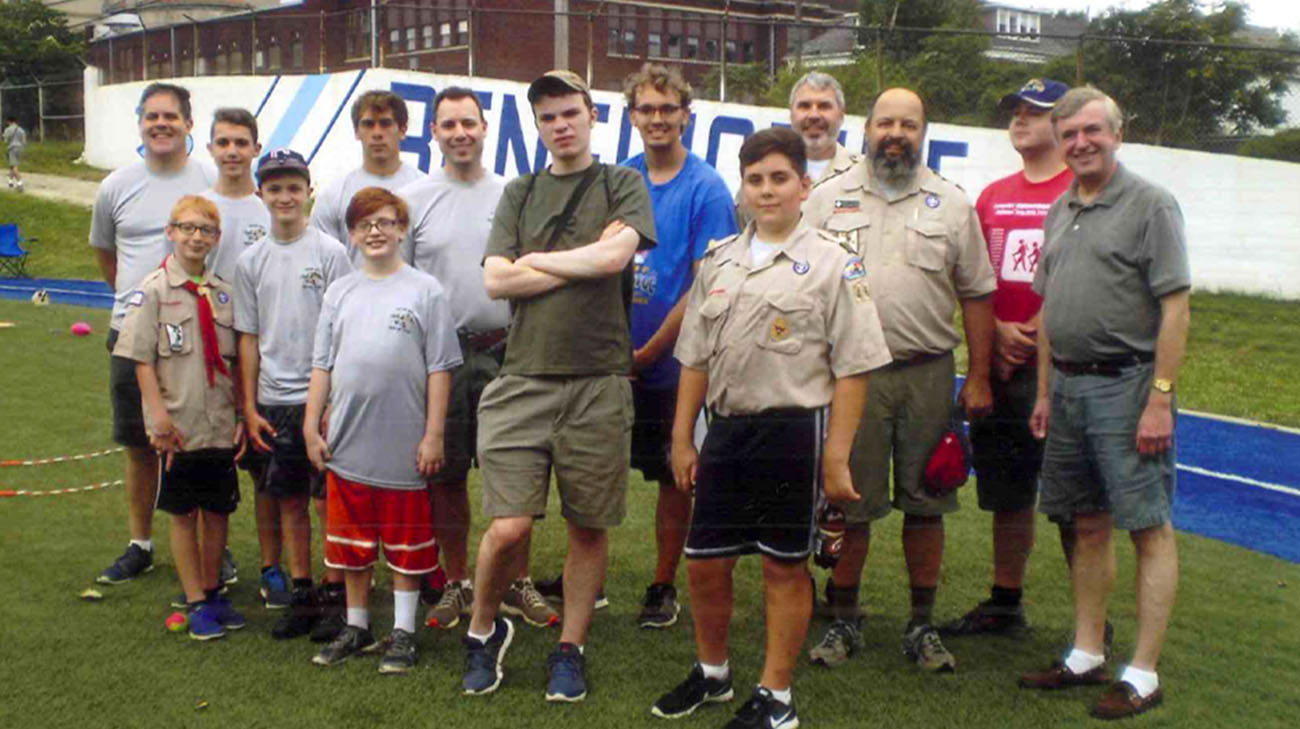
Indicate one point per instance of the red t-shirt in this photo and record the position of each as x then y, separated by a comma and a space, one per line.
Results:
1011, 214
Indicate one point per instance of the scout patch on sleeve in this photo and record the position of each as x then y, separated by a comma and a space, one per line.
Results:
780, 329
135, 298
854, 270
223, 298
861, 293
175, 337
932, 201
800, 267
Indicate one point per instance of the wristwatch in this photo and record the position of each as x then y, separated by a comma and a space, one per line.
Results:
1163, 385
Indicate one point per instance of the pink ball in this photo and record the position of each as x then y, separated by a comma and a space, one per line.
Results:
80, 328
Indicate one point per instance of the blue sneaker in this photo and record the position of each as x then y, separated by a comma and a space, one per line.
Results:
274, 587
566, 667
483, 659
764, 711
230, 618
204, 623
133, 563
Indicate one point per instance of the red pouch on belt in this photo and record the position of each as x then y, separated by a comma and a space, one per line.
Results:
949, 464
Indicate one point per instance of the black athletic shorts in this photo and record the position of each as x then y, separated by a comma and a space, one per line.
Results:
652, 432
757, 484
286, 471
1007, 455
124, 394
203, 479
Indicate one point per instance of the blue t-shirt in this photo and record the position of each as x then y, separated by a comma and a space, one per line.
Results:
690, 210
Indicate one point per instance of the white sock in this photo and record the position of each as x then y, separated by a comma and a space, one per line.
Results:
1146, 682
1080, 662
359, 617
482, 638
404, 605
464, 584
145, 544
718, 672
783, 695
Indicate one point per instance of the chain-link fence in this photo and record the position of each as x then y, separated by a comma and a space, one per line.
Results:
49, 108
1189, 93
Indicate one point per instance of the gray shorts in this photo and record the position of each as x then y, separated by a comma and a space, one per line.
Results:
579, 426
1091, 463
908, 411
15, 156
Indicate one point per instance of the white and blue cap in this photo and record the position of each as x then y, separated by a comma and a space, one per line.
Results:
282, 160
1039, 92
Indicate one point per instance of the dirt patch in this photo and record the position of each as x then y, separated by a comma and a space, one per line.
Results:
54, 187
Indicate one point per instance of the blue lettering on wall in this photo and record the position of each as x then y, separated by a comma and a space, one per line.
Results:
418, 143
510, 138
726, 125
940, 148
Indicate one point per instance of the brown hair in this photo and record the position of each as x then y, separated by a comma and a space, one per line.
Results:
370, 199
779, 140
382, 101
659, 77
236, 116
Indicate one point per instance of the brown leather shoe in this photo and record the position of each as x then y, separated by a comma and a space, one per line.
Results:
1121, 701
1059, 676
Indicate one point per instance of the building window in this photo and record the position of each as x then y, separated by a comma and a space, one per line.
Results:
413, 63
444, 35
1019, 24
273, 57
654, 47
428, 36
731, 51
187, 64
410, 39
462, 29
674, 46
629, 42
692, 47
750, 54
295, 50
394, 41
236, 59
223, 62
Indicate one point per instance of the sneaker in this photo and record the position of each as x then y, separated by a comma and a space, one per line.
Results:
205, 623
457, 601
765, 712
659, 608
333, 616
133, 563
842, 640
987, 618
274, 588
922, 645
553, 591
566, 668
401, 654
350, 641
229, 570
524, 601
691, 694
483, 659
230, 618
302, 616
180, 602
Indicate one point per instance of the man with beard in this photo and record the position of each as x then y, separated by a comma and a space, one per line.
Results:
920, 241
817, 113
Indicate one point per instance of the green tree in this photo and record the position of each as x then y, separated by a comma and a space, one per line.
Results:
747, 83
887, 14
35, 41
1178, 94
1285, 145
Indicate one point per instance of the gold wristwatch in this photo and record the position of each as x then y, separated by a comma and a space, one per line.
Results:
1163, 385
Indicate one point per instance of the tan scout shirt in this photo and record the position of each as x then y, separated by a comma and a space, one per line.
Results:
161, 328
923, 251
842, 162
778, 336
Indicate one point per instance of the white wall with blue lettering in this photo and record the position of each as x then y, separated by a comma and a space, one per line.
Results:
1243, 215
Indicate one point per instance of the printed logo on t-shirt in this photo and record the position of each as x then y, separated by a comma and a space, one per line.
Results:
401, 320
254, 233
312, 278
1020, 255
644, 282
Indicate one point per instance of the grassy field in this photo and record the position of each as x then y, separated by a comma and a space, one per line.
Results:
1231, 656
61, 231
57, 157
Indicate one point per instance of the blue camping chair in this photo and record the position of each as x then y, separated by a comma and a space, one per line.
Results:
13, 257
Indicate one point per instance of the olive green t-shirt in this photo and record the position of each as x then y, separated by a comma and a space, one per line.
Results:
580, 328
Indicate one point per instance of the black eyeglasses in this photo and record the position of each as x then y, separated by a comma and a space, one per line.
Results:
383, 225
663, 109
208, 231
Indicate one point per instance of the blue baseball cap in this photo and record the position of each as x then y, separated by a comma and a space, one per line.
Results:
1040, 92
282, 160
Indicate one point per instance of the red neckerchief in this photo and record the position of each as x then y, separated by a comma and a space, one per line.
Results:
207, 330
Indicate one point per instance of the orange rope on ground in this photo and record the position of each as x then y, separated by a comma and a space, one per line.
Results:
60, 459
5, 493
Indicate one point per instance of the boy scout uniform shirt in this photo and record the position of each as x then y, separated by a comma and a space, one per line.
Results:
923, 251
780, 334
161, 328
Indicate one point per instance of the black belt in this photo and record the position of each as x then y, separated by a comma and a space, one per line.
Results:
479, 341
919, 359
1103, 367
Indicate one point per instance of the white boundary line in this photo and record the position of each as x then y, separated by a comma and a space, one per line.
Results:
1239, 421
1241, 479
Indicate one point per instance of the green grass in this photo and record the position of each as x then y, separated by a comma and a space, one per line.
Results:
62, 231
55, 157
1232, 652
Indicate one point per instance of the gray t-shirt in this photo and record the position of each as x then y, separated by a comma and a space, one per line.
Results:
279, 287
131, 209
1105, 266
329, 212
450, 223
245, 222
380, 340
15, 137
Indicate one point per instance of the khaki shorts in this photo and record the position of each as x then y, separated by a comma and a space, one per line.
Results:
908, 410
579, 426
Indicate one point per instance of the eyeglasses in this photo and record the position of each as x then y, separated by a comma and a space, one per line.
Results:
383, 225
663, 109
208, 231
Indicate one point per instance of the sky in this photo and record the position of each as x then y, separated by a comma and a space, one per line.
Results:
1281, 14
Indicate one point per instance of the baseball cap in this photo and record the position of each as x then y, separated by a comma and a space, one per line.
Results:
557, 82
1040, 92
282, 160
